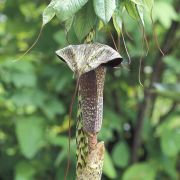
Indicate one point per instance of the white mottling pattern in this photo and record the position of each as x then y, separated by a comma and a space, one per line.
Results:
92, 84
86, 57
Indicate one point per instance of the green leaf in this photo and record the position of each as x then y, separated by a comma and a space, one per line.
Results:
135, 11
170, 124
84, 21
140, 11
21, 74
68, 23
160, 13
24, 171
48, 12
30, 135
60, 38
52, 108
25, 97
172, 62
138, 2
108, 167
104, 9
27, 79
65, 9
140, 171
170, 142
58, 140
168, 90
168, 165
148, 5
117, 21
61, 156
131, 9
121, 154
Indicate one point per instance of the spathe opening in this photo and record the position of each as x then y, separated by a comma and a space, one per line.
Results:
114, 62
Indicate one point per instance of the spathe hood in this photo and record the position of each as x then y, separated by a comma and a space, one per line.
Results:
86, 57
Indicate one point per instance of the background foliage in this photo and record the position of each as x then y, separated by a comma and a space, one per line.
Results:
141, 126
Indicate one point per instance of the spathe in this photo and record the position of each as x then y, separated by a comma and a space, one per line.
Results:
89, 62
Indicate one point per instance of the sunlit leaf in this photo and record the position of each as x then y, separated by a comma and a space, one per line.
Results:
48, 12
67, 8
148, 4
135, 11
117, 21
140, 11
104, 9
131, 9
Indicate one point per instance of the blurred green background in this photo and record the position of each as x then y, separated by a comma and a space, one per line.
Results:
141, 125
